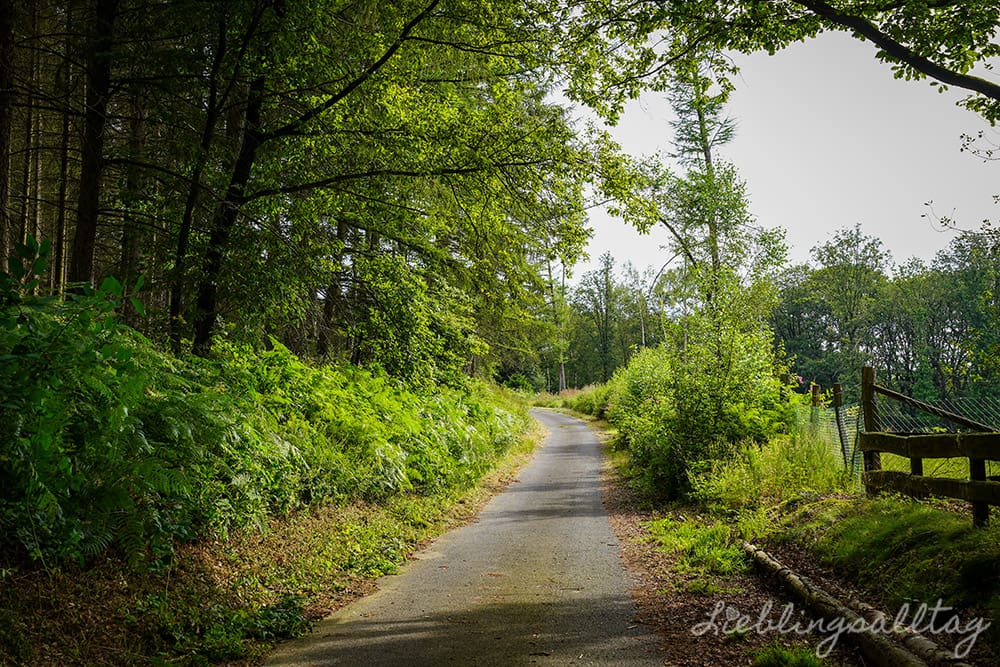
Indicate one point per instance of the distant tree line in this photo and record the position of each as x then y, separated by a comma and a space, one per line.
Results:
929, 329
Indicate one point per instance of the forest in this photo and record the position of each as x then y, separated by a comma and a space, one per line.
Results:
264, 257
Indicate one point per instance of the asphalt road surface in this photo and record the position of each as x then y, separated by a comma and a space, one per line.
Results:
535, 580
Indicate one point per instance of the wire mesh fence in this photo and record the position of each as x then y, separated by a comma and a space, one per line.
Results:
896, 417
820, 423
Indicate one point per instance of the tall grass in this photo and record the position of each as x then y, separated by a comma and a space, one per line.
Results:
770, 474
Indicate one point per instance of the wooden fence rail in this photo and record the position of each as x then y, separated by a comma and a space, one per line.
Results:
977, 447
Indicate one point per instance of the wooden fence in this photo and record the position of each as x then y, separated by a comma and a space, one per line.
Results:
977, 447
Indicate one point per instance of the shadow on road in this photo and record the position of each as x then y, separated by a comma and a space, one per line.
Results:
494, 633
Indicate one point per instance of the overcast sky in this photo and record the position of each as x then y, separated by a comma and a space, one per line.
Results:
827, 138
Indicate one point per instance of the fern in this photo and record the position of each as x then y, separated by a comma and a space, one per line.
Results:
112, 444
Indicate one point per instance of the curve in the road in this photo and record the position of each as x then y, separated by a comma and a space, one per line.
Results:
536, 579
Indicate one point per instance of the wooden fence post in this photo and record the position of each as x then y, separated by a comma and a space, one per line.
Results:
873, 460
838, 415
980, 511
814, 411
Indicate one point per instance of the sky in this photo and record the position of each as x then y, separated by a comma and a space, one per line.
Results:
826, 139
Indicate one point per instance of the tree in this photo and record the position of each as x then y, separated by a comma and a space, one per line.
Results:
6, 121
98, 56
968, 342
265, 164
596, 299
618, 49
850, 279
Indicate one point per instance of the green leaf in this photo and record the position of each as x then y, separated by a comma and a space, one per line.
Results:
110, 285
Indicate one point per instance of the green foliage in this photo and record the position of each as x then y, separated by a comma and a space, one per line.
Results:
112, 443
217, 632
618, 49
702, 547
591, 400
904, 549
78, 473
782, 656
413, 330
770, 474
689, 401
929, 330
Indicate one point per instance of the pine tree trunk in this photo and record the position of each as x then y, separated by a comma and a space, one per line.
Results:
81, 265
6, 112
59, 259
132, 230
206, 314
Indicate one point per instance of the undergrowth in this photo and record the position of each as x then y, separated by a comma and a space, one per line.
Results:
903, 549
113, 452
702, 547
110, 443
898, 552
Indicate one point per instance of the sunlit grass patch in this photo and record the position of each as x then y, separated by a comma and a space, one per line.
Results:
701, 547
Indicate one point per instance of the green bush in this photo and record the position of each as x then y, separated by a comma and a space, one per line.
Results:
675, 412
110, 443
591, 400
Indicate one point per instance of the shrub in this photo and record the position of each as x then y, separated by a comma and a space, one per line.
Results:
110, 443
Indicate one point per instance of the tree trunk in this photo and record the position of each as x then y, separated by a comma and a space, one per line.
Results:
212, 114
27, 134
81, 266
59, 260
64, 85
332, 300
6, 112
133, 229
206, 314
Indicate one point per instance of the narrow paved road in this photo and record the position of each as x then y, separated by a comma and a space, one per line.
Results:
535, 580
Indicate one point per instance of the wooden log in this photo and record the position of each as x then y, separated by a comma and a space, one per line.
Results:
980, 445
980, 509
922, 647
878, 648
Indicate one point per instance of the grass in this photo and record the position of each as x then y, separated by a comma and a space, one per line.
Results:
893, 550
783, 656
228, 600
903, 549
781, 471
701, 547
954, 468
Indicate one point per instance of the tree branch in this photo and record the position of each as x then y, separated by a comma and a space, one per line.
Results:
293, 126
681, 240
901, 52
374, 173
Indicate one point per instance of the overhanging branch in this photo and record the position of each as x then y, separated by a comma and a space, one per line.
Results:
901, 52
376, 173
